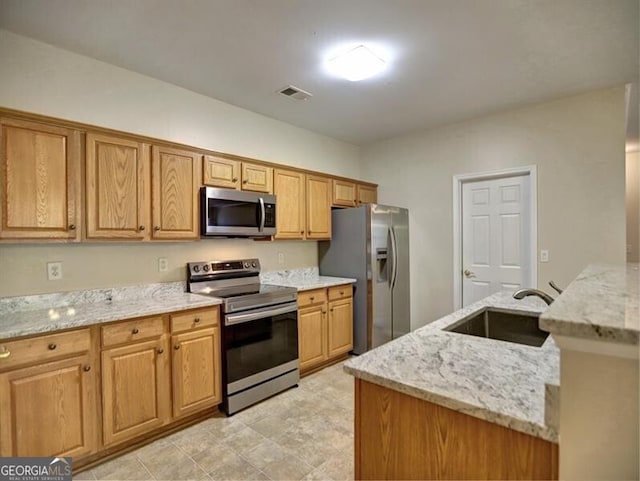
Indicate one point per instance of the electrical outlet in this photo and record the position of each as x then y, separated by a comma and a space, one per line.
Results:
54, 271
163, 264
544, 255
280, 257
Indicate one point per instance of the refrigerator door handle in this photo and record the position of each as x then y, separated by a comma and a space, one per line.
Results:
394, 257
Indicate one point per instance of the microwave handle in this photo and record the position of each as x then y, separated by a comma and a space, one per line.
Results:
262, 214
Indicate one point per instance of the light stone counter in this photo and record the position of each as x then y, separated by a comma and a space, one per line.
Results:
500, 382
27, 315
601, 304
303, 279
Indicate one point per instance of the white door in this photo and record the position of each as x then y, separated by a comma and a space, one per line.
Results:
496, 236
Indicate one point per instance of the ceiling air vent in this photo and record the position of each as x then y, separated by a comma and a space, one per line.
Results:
295, 93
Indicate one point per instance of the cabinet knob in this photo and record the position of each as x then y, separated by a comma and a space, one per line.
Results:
331, 310
341, 293
312, 298
72, 227
245, 181
160, 350
156, 227
196, 320
176, 347
5, 353
235, 179
141, 227
301, 232
52, 347
86, 368
324, 312
135, 330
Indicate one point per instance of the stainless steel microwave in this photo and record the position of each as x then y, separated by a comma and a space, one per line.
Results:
234, 213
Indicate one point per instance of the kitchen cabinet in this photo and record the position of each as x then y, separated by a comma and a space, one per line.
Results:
325, 326
40, 181
367, 194
136, 391
196, 361
234, 174
175, 185
344, 193
117, 188
303, 209
48, 408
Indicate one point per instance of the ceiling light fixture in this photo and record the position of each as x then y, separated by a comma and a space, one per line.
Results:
357, 63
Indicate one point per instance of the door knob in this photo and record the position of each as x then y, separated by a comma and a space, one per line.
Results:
468, 274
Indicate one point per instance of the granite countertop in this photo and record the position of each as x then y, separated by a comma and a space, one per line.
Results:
602, 303
500, 382
22, 316
303, 279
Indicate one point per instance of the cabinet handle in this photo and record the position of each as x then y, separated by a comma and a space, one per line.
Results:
5, 353
156, 227
72, 227
196, 320
234, 180
141, 228
135, 330
52, 347
86, 368
160, 350
176, 347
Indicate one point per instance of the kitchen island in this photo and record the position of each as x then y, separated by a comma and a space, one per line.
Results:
435, 404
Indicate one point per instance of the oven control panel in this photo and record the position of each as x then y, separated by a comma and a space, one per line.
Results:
212, 268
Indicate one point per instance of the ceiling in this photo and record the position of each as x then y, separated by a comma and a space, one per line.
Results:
448, 60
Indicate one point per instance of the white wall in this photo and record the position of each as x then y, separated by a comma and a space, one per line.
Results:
37, 77
632, 194
577, 144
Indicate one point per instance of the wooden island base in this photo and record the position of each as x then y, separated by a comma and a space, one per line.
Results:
401, 437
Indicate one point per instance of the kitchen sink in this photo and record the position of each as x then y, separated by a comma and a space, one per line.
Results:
521, 328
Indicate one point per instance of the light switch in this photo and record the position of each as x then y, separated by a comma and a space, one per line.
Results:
544, 255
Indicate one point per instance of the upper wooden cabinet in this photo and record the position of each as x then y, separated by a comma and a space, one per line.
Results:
176, 181
233, 174
367, 194
39, 181
318, 207
289, 187
117, 188
303, 208
344, 193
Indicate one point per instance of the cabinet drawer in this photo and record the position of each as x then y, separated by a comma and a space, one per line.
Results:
308, 298
185, 321
132, 331
43, 348
340, 292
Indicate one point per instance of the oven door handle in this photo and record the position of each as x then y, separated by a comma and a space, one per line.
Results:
259, 314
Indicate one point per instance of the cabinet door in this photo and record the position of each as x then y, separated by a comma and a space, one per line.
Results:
221, 172
196, 371
367, 194
344, 193
340, 327
289, 187
318, 207
49, 409
257, 178
176, 182
312, 336
39, 181
117, 186
135, 390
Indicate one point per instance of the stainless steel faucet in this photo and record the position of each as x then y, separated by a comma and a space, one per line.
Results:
522, 293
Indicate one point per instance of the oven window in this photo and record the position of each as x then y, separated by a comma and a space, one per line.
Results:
255, 346
231, 213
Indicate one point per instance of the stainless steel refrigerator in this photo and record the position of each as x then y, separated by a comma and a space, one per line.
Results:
371, 243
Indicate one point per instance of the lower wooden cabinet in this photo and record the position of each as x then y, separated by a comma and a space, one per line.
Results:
49, 409
135, 390
196, 370
325, 325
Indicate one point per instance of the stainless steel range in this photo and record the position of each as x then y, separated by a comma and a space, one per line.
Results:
259, 332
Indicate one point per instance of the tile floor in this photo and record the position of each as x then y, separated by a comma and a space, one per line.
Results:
303, 433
